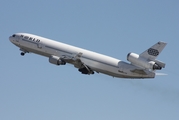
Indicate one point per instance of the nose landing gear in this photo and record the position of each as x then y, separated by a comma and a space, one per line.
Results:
22, 53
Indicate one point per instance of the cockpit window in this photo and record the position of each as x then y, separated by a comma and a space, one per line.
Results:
22, 36
13, 35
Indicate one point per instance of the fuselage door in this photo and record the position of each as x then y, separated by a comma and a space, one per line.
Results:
39, 45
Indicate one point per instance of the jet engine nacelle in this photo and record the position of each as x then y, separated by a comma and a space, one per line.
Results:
56, 60
142, 62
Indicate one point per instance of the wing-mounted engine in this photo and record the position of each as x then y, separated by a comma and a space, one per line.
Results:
139, 61
56, 60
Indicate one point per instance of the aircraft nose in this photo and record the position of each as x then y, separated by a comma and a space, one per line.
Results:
10, 38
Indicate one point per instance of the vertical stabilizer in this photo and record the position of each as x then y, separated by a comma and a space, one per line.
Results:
153, 52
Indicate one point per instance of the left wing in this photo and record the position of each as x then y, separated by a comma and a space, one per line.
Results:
76, 61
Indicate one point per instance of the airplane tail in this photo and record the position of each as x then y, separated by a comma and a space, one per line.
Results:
147, 59
153, 52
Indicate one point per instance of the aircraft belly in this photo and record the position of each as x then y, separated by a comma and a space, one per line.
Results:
102, 68
131, 71
115, 71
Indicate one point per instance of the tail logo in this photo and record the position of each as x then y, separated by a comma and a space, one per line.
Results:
153, 52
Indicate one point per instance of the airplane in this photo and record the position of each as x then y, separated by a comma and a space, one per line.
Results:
87, 62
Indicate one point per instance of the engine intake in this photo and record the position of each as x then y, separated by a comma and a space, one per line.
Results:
56, 60
142, 62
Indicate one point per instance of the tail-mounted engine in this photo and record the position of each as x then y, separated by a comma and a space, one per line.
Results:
139, 61
56, 60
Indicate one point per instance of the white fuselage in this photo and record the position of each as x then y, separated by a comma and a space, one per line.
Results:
97, 62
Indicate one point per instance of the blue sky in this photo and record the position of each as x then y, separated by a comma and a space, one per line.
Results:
32, 88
